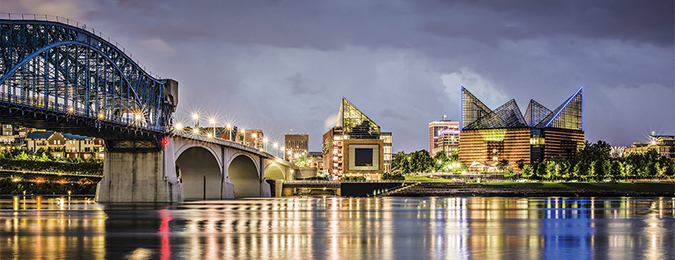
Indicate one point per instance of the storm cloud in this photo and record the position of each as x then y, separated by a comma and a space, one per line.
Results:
281, 65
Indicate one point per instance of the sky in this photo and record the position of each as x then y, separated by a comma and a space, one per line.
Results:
284, 66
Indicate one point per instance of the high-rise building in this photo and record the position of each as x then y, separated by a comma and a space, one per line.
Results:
504, 133
443, 136
296, 145
356, 147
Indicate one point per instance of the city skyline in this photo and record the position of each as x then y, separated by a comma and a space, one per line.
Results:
278, 66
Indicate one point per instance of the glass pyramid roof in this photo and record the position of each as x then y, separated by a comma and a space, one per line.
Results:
535, 113
472, 108
507, 115
569, 115
356, 123
476, 115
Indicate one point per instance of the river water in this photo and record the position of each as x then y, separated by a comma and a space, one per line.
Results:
340, 228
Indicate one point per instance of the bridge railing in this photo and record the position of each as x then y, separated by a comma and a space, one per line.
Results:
233, 144
53, 18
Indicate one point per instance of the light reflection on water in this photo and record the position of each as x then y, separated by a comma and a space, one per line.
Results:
341, 228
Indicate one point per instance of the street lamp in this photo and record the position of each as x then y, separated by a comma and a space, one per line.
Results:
243, 132
179, 126
195, 116
229, 133
213, 122
265, 143
277, 152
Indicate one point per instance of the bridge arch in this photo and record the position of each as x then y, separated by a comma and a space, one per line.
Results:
198, 168
243, 173
274, 172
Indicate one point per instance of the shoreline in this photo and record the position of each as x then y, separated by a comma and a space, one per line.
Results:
454, 189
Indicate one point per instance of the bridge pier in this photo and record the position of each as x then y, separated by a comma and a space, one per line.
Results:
139, 176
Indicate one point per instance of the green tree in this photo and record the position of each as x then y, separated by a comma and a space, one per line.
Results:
509, 173
441, 161
527, 171
521, 164
551, 168
400, 162
502, 164
616, 169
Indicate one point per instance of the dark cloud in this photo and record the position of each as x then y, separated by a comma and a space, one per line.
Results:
281, 65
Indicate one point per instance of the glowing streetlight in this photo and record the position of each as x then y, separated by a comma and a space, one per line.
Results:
243, 132
179, 126
195, 116
195, 131
276, 145
213, 122
265, 143
228, 127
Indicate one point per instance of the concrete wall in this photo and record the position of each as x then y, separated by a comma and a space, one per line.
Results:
137, 176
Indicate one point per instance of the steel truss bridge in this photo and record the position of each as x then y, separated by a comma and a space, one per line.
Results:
64, 77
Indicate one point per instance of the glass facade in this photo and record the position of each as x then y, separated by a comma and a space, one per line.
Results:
505, 133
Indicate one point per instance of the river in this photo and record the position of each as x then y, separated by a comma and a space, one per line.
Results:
340, 228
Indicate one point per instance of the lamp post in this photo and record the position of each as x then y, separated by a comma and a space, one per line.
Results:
228, 127
255, 140
243, 132
213, 122
195, 116
283, 152
277, 152
265, 143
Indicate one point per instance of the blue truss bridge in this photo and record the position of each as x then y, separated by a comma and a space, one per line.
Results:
58, 74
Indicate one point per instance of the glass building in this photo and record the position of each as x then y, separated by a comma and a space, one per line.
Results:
356, 147
505, 133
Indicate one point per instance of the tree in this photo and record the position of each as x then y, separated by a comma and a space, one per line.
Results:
509, 173
441, 161
550, 169
503, 163
521, 164
616, 169
527, 171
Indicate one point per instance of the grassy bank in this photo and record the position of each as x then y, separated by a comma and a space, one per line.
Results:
425, 179
608, 186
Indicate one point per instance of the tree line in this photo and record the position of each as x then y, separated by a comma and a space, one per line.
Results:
421, 161
592, 162
43, 161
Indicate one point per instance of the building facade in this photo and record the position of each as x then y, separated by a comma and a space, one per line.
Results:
62, 145
356, 147
295, 145
443, 136
488, 136
663, 144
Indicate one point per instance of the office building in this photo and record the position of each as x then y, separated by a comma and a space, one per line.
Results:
356, 147
443, 136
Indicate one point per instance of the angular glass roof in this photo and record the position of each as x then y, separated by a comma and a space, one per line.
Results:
354, 122
476, 115
535, 113
507, 115
472, 108
569, 115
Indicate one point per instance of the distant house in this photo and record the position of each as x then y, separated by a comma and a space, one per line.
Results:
62, 145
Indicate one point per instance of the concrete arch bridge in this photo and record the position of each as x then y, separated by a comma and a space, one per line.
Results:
190, 167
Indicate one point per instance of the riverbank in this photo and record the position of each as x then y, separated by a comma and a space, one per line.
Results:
512, 189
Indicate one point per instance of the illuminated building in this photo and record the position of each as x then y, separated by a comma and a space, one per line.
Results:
443, 136
663, 144
62, 145
295, 145
356, 147
506, 134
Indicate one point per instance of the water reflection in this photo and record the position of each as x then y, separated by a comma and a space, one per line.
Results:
341, 228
